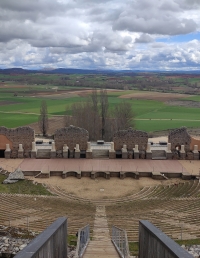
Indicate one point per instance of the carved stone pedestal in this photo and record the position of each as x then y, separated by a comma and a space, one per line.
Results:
149, 155
136, 155
53, 154
112, 155
124, 155
196, 156
77, 154
89, 155
65, 154
7, 154
33, 154
168, 154
182, 155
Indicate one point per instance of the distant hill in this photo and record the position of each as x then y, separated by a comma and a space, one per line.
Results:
88, 71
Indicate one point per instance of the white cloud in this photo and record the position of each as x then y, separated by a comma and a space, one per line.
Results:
110, 34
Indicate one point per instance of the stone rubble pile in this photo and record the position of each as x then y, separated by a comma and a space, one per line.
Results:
193, 250
13, 240
12, 245
14, 177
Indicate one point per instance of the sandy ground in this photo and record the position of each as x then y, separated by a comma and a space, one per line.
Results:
101, 188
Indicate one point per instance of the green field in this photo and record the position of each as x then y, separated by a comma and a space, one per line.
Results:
149, 115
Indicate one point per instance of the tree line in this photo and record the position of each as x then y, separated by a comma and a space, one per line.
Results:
93, 115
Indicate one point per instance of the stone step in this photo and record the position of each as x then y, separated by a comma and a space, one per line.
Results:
159, 158
43, 154
158, 153
100, 153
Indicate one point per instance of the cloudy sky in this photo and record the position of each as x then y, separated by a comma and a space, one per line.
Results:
100, 34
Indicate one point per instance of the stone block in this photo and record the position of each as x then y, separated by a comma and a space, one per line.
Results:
77, 155
78, 175
7, 154
130, 154
33, 154
65, 154
124, 155
20, 154
89, 155
186, 176
190, 155
196, 156
53, 154
136, 155
122, 175
148, 155
112, 154
137, 176
169, 155
71, 154
182, 155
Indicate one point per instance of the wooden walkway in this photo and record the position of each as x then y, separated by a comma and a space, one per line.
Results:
102, 165
101, 246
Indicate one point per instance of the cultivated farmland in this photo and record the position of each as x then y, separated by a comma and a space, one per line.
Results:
159, 102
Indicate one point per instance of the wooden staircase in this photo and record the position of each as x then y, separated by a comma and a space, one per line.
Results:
100, 246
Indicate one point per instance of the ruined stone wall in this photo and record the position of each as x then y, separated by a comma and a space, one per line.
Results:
194, 141
21, 135
71, 136
179, 137
131, 138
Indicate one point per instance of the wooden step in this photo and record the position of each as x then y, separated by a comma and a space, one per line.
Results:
101, 245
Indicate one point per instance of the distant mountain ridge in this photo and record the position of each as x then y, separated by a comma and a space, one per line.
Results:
87, 71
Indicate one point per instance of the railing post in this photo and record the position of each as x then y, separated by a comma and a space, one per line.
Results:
82, 241
120, 241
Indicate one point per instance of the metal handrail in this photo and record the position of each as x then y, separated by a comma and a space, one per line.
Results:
82, 241
120, 241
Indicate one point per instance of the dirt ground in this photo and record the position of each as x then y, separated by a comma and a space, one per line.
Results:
101, 188
155, 96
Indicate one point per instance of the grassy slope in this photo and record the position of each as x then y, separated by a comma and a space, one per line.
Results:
22, 187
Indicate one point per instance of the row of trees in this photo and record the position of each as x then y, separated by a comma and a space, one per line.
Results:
96, 117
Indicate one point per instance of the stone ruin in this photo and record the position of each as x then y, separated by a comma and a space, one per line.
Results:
17, 143
71, 138
182, 145
178, 137
130, 138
